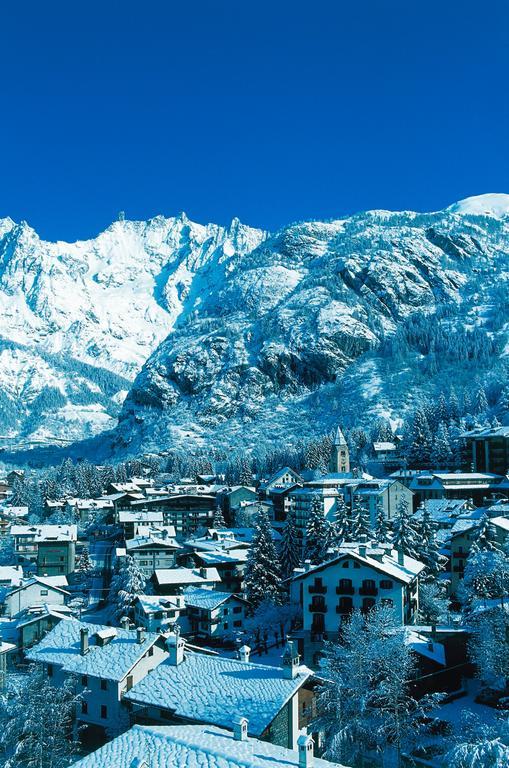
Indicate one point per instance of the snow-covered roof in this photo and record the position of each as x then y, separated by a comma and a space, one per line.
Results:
125, 487
425, 646
186, 576
140, 516
41, 533
52, 582
207, 599
15, 511
245, 535
389, 565
90, 503
487, 432
155, 603
215, 689
140, 542
57, 611
11, 574
112, 661
222, 558
190, 746
384, 446
501, 522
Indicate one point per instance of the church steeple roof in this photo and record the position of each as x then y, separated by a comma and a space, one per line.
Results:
339, 438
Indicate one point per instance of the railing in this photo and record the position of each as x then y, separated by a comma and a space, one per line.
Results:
344, 610
346, 590
317, 608
317, 589
372, 591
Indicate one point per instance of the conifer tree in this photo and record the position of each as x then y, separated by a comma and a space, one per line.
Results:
218, 520
427, 549
263, 572
84, 565
291, 546
342, 525
127, 583
419, 447
480, 402
318, 533
441, 453
485, 540
360, 520
404, 534
382, 529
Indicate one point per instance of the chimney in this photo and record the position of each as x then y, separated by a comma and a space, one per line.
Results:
305, 746
362, 550
240, 728
203, 573
140, 635
430, 645
401, 557
290, 661
83, 641
124, 622
175, 646
244, 653
138, 762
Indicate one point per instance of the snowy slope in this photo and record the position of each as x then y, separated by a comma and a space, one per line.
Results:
221, 336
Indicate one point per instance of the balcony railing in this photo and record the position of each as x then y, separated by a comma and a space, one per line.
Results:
346, 590
317, 589
344, 610
317, 608
371, 591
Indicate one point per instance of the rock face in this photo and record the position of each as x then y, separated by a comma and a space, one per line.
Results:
227, 335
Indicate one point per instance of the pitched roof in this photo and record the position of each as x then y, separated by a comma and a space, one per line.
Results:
339, 438
214, 689
112, 661
208, 599
185, 576
46, 532
140, 516
188, 746
46, 581
139, 542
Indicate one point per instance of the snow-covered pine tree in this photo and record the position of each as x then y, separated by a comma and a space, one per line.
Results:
84, 565
318, 533
419, 441
263, 571
342, 525
218, 520
441, 453
488, 647
382, 529
481, 402
404, 534
427, 549
246, 472
360, 519
121, 473
485, 540
291, 546
433, 604
127, 583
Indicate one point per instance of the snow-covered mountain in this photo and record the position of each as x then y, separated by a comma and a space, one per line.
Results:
234, 334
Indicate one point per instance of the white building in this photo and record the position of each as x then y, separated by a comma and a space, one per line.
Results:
200, 688
35, 592
213, 615
198, 745
107, 661
152, 552
172, 581
359, 577
157, 612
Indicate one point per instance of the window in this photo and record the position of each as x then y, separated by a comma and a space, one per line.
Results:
346, 564
225, 626
104, 711
356, 565
104, 685
237, 623
84, 680
225, 611
385, 584
84, 708
237, 609
50, 670
44, 592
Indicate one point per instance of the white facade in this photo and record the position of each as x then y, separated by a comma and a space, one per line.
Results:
35, 592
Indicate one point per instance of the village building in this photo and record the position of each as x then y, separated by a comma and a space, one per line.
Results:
35, 592
213, 615
487, 450
190, 687
37, 621
85, 510
374, 495
186, 512
232, 497
340, 455
206, 746
156, 613
220, 550
360, 576
172, 581
106, 661
153, 552
478, 486
130, 520
51, 548
462, 536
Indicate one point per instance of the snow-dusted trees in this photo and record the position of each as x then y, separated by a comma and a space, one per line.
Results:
419, 441
84, 566
486, 577
37, 722
218, 520
441, 456
479, 745
128, 581
318, 533
360, 519
433, 604
427, 549
485, 540
488, 647
404, 534
291, 546
365, 704
342, 525
263, 573
382, 530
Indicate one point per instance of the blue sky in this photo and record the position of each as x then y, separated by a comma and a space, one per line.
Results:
269, 111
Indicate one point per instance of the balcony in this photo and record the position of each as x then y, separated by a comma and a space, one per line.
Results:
371, 591
317, 589
317, 608
344, 610
346, 590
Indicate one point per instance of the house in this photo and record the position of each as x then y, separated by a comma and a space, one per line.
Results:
10, 576
172, 581
130, 519
487, 450
206, 746
282, 478
360, 576
378, 494
38, 621
233, 497
36, 592
152, 552
187, 512
10, 515
14, 475
157, 612
220, 550
477, 486
191, 687
51, 547
86, 510
214, 615
106, 661
301, 502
